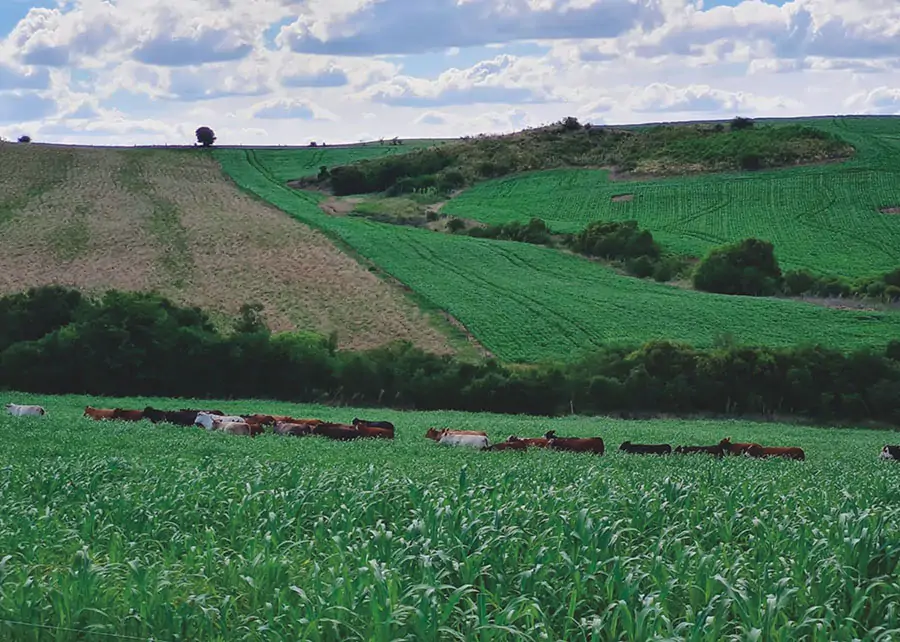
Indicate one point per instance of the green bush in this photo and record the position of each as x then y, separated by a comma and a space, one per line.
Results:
748, 267
615, 240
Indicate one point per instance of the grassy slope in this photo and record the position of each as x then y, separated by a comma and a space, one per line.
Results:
142, 220
824, 218
526, 303
176, 533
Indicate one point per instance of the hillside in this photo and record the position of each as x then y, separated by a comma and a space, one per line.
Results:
828, 218
526, 303
169, 221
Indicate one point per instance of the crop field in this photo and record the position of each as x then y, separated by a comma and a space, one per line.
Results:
141, 220
121, 529
526, 303
825, 218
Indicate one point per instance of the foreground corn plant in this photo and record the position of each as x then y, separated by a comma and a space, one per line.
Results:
179, 534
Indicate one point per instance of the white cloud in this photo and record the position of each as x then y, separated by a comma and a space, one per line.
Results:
883, 100
290, 108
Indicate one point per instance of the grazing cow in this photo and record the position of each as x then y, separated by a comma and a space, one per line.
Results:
890, 452
17, 410
531, 442
262, 420
128, 415
373, 432
181, 417
513, 443
341, 432
573, 444
716, 451
206, 419
434, 433
234, 427
645, 449
467, 438
293, 429
736, 449
154, 415
386, 425
99, 413
792, 452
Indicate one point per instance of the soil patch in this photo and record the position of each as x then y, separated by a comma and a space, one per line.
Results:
622, 198
890, 210
339, 206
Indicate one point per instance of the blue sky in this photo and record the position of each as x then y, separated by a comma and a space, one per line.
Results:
290, 71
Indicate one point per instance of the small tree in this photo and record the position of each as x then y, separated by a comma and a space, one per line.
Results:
739, 123
748, 267
24, 139
205, 136
571, 124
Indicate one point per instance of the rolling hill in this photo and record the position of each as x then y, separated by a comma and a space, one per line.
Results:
165, 220
526, 303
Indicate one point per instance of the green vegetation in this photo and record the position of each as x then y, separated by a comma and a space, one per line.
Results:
748, 267
823, 218
657, 150
179, 534
70, 239
527, 303
58, 342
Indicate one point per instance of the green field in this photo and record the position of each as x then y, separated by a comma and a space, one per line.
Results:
526, 303
116, 529
824, 218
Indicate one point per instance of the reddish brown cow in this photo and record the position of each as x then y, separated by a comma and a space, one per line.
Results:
128, 415
573, 444
99, 413
260, 420
341, 432
293, 429
513, 443
791, 452
736, 449
531, 442
374, 433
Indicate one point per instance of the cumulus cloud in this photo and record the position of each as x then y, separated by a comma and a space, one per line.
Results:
661, 97
883, 100
361, 28
327, 78
290, 108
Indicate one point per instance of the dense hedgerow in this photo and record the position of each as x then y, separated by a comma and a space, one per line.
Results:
141, 344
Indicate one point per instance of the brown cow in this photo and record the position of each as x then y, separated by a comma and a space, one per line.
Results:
293, 429
513, 443
792, 452
128, 415
531, 442
736, 449
434, 433
261, 420
99, 413
575, 444
341, 432
372, 432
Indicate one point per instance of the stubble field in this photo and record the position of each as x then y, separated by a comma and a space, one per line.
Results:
179, 534
168, 220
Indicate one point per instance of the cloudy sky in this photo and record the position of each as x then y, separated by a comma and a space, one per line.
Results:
290, 71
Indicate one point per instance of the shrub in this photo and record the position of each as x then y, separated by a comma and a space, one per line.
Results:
571, 124
615, 240
797, 282
738, 123
748, 267
750, 162
455, 224
641, 267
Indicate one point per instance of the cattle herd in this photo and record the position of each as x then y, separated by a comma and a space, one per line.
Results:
253, 424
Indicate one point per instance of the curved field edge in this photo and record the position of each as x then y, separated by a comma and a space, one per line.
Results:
163, 532
825, 218
526, 303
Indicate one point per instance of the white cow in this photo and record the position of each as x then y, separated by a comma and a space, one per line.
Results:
469, 441
232, 427
206, 420
17, 410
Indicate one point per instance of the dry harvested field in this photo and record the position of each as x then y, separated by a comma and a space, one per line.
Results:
139, 219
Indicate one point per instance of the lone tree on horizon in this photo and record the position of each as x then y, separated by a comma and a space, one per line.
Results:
205, 136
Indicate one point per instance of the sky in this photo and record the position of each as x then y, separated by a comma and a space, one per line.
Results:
287, 72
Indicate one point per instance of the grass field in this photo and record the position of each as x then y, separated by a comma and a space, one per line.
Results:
526, 303
179, 534
168, 220
825, 218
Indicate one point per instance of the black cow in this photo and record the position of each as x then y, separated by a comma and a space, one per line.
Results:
154, 415
645, 449
387, 425
181, 417
890, 452
716, 451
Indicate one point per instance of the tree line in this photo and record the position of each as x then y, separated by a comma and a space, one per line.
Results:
56, 341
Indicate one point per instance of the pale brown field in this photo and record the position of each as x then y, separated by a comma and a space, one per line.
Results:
168, 221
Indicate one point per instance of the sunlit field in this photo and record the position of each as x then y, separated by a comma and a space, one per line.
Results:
180, 534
